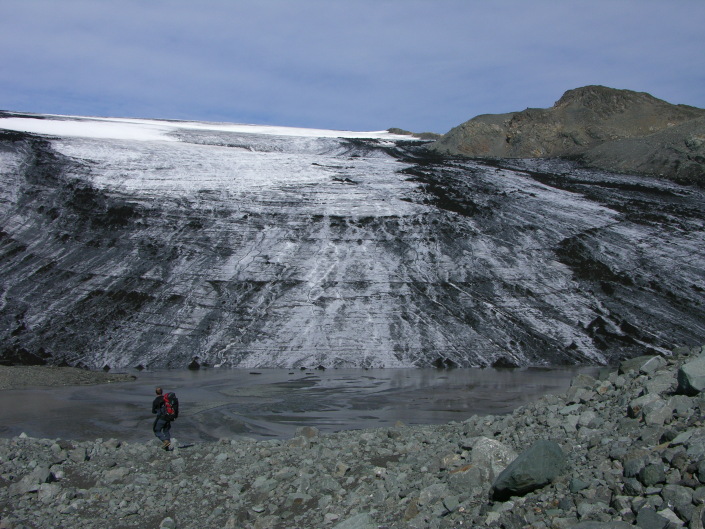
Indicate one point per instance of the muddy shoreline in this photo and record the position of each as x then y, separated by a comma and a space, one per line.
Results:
28, 377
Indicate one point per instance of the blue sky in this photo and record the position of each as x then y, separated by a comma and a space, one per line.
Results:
423, 65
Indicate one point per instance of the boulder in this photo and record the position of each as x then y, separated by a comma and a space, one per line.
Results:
634, 464
650, 519
579, 395
359, 521
538, 466
433, 494
680, 499
491, 457
652, 365
691, 377
634, 364
695, 443
31, 482
658, 412
651, 475
78, 455
661, 383
637, 406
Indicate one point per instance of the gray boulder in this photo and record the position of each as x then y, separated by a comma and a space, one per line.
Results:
661, 383
359, 521
491, 457
78, 455
31, 482
650, 519
634, 364
535, 468
652, 474
652, 365
657, 413
691, 377
636, 406
680, 499
695, 443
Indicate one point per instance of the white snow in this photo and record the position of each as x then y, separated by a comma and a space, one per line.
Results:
296, 168
157, 130
88, 128
264, 129
299, 180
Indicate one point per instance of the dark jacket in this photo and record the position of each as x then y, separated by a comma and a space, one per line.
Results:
159, 408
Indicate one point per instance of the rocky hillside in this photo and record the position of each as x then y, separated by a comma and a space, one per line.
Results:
616, 130
627, 449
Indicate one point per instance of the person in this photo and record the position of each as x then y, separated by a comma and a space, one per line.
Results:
162, 424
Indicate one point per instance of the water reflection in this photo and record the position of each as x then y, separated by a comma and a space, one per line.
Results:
272, 403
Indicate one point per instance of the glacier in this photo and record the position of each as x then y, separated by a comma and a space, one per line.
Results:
128, 242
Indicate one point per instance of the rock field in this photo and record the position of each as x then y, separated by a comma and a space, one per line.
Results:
627, 449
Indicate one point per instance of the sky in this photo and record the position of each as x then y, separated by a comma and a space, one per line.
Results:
421, 65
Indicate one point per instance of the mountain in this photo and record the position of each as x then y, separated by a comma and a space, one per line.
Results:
127, 242
615, 130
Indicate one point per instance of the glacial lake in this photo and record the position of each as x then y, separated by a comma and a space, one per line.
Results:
273, 403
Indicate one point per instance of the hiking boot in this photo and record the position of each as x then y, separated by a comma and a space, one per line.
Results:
166, 445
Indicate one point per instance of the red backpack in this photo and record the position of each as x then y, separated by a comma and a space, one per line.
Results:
170, 406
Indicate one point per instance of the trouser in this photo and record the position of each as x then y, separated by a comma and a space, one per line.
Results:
161, 428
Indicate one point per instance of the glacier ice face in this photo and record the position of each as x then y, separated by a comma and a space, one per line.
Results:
249, 248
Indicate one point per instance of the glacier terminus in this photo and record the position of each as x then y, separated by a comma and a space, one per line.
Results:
127, 242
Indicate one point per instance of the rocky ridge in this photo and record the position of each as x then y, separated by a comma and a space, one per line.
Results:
611, 129
623, 450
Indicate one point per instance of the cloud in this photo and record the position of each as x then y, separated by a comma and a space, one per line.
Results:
367, 64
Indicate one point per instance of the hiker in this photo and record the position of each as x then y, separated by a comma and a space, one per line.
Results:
167, 409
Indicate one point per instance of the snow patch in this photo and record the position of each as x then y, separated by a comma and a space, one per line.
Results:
158, 130
267, 129
112, 130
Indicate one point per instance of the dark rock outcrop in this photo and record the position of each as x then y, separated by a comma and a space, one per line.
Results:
677, 152
615, 130
419, 135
